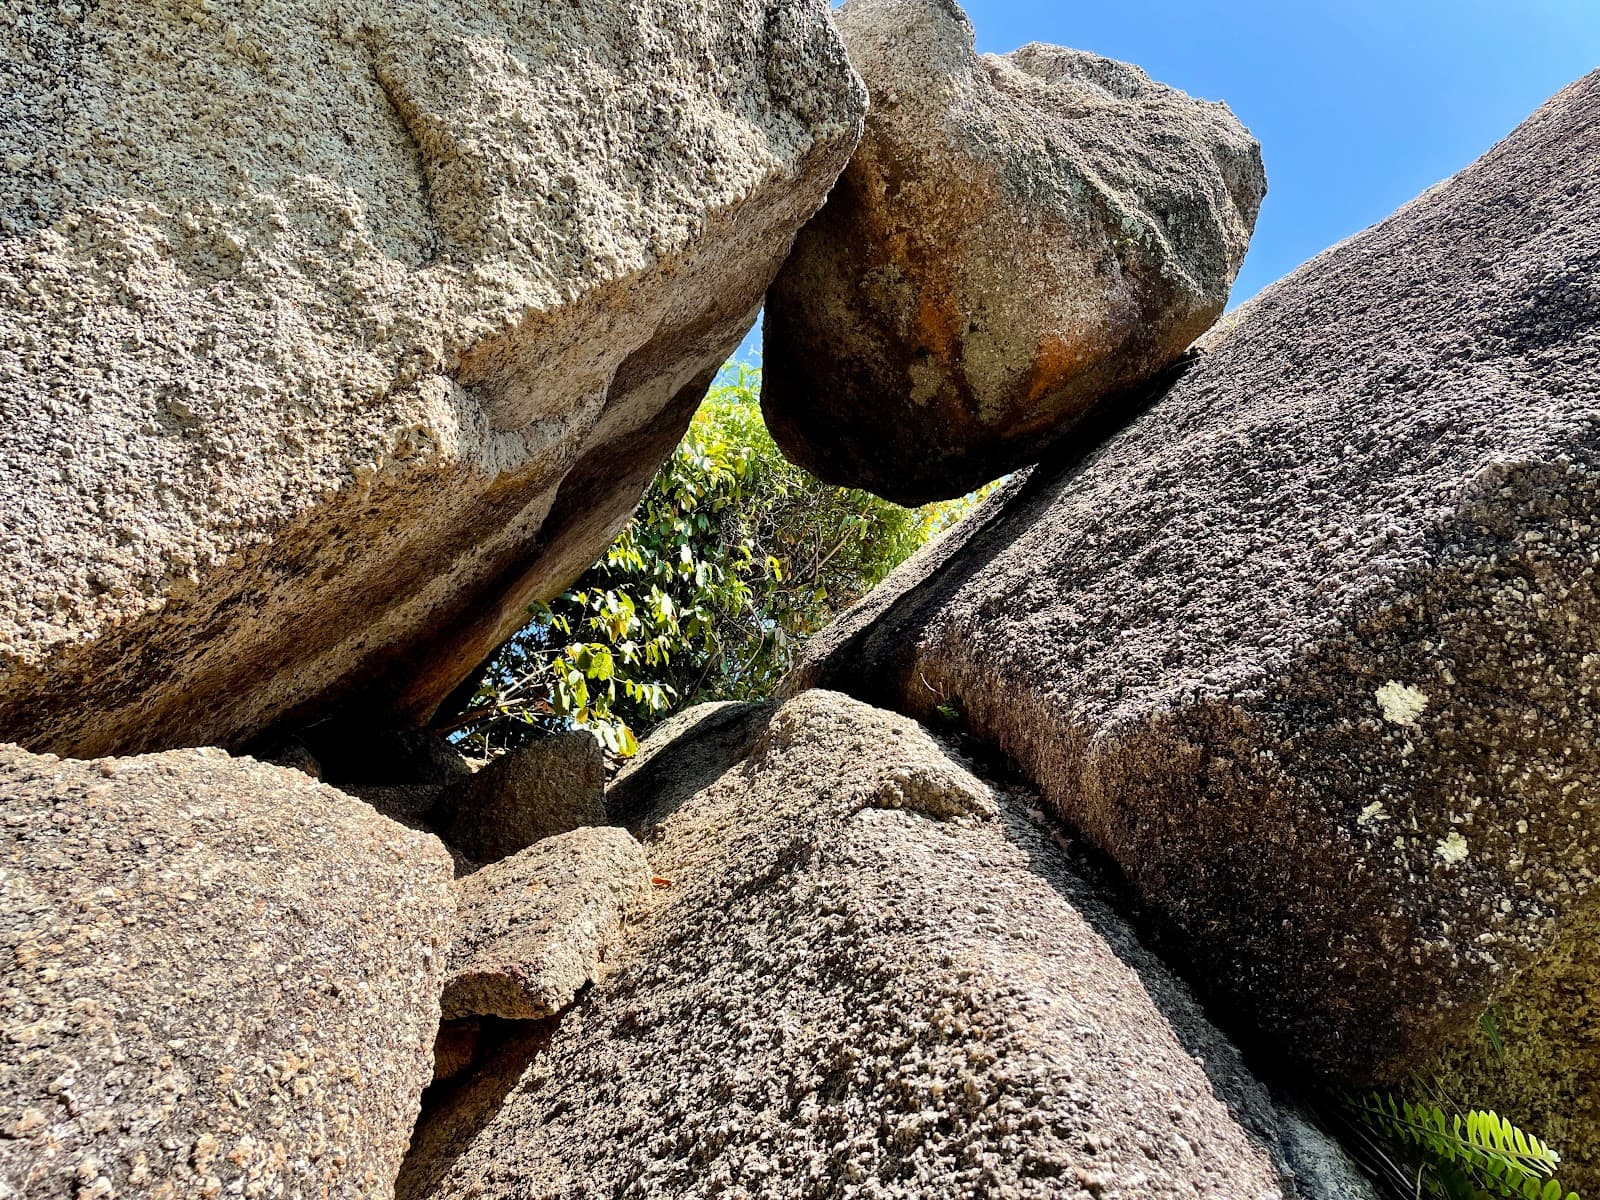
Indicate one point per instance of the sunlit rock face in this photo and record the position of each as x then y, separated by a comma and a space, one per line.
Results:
221, 978
332, 335
865, 969
1016, 239
1309, 647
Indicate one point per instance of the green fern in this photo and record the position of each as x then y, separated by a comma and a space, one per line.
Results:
1464, 1157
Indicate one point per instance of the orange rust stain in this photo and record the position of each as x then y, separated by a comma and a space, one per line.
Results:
1054, 359
940, 325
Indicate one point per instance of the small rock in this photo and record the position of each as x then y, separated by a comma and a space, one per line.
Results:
532, 929
551, 786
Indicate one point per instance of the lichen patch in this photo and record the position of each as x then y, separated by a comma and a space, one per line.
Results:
1452, 850
1400, 703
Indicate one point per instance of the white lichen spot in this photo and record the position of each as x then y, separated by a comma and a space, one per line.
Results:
1452, 850
1400, 703
1372, 814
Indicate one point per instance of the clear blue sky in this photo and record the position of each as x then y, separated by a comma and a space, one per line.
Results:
1358, 104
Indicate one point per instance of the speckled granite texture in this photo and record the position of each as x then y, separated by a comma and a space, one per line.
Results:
216, 978
332, 335
533, 929
872, 975
1309, 647
1016, 238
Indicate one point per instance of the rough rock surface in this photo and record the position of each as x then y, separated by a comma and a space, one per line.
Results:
533, 929
1015, 239
332, 335
451, 1113
682, 755
548, 787
872, 976
1321, 1167
183, 1012
1309, 647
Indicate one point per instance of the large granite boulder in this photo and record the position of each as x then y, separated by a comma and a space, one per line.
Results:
1309, 647
216, 978
533, 929
872, 974
1015, 239
331, 336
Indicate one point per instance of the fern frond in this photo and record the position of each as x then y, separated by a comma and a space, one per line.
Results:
1480, 1149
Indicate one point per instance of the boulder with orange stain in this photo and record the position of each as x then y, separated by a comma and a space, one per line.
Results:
1017, 239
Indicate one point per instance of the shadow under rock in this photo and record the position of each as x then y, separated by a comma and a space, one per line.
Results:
865, 658
455, 1111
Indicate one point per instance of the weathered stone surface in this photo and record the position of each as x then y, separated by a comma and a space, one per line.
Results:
548, 787
1309, 647
332, 335
1321, 1168
682, 755
452, 1112
415, 807
872, 975
1015, 239
533, 929
216, 977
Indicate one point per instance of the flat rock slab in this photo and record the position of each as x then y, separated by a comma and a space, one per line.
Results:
1309, 648
871, 975
302, 403
533, 929
216, 978
1015, 239
548, 787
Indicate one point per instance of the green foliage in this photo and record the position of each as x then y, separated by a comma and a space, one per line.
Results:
1473, 1156
1490, 1024
732, 558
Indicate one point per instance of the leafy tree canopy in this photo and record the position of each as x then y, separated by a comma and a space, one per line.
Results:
732, 558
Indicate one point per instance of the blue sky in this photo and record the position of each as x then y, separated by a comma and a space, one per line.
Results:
1358, 104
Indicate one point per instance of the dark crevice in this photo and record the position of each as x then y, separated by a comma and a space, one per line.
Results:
456, 1109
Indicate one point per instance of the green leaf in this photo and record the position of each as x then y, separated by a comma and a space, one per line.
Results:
1487, 1022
